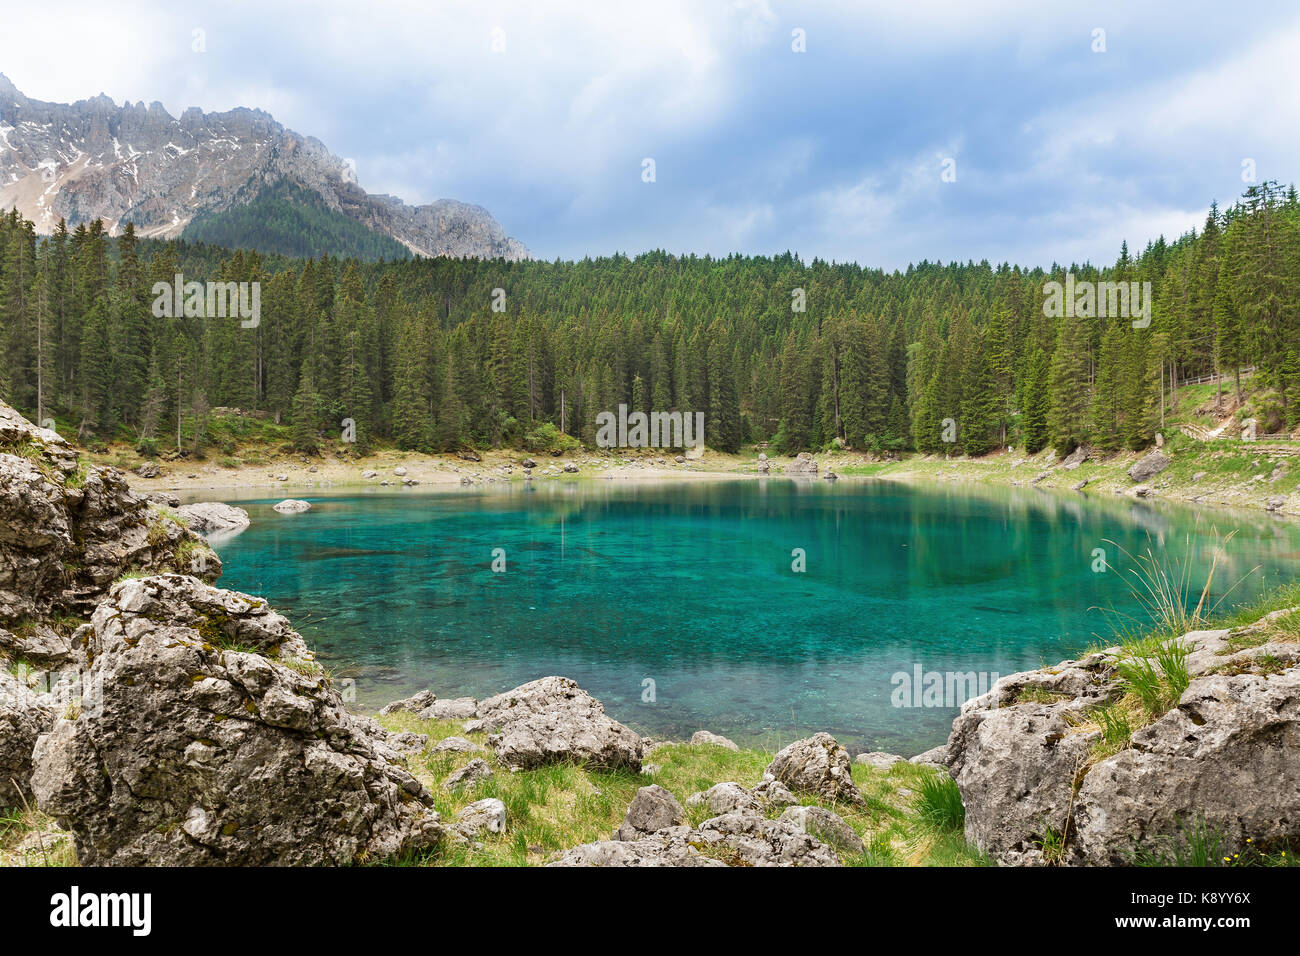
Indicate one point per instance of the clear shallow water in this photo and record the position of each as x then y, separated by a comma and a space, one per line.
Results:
690, 585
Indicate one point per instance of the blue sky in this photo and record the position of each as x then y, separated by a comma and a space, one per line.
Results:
1059, 152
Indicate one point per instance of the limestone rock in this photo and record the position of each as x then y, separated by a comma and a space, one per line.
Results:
879, 759
206, 738
817, 765
213, 516
1227, 754
24, 716
826, 826
489, 815
456, 708
773, 793
652, 809
554, 720
716, 740
803, 464
473, 773
753, 840
411, 704
666, 848
1076, 458
456, 745
292, 506
934, 757
724, 798
67, 533
1148, 466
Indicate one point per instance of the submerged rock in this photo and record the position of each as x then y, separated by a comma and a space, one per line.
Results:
209, 737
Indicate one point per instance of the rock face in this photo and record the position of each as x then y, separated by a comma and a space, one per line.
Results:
207, 738
1227, 754
95, 160
213, 517
24, 716
1150, 465
67, 534
554, 720
652, 809
817, 765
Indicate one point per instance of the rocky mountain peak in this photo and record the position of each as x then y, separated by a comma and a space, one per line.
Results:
95, 160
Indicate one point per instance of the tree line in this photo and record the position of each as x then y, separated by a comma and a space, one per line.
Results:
441, 354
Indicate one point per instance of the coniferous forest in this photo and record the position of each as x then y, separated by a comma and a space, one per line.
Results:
439, 354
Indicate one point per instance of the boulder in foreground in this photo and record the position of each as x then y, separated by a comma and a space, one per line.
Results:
1039, 788
208, 736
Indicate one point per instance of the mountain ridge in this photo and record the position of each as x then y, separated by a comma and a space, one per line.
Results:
93, 159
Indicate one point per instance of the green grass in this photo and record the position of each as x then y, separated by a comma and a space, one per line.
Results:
554, 808
939, 804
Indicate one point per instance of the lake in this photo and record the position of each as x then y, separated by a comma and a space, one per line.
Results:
678, 605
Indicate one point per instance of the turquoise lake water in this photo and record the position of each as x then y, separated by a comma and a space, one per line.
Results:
691, 586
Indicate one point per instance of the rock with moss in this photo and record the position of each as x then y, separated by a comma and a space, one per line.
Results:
817, 765
209, 736
68, 531
1065, 765
746, 838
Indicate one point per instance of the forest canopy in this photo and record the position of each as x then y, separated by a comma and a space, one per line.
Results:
438, 354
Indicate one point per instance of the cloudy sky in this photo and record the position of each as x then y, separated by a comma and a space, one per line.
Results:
1058, 140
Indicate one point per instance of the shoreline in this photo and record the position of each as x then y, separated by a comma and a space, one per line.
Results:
1196, 475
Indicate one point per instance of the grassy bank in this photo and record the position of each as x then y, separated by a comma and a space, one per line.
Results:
909, 818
